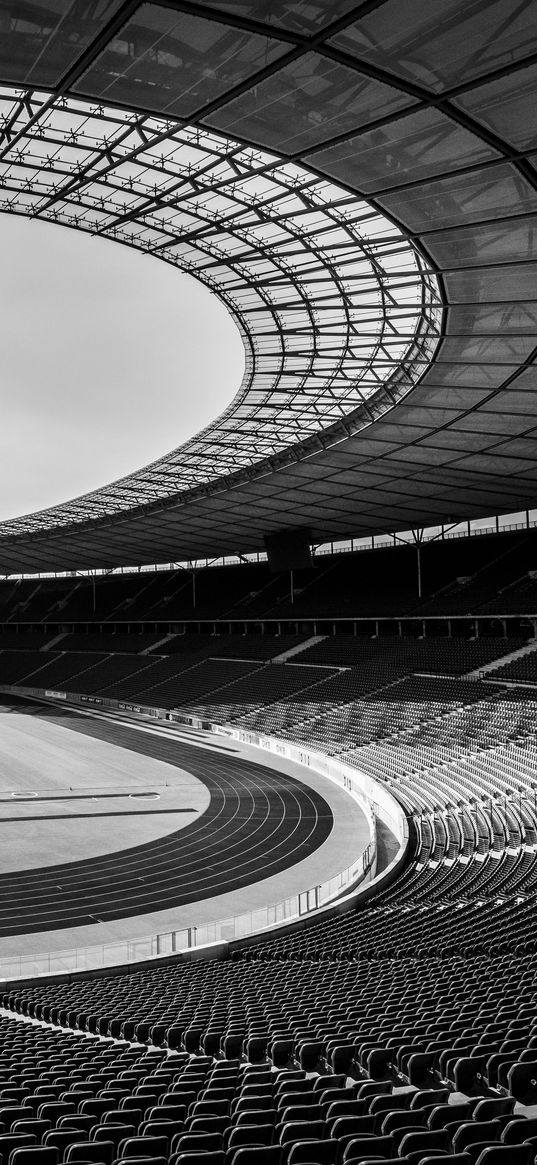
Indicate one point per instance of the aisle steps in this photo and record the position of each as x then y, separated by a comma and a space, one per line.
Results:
285, 655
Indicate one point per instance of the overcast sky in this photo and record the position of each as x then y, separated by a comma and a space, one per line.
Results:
108, 358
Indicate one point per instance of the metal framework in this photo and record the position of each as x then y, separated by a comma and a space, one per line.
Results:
335, 306
314, 128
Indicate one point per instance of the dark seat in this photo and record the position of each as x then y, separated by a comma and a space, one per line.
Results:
13, 1113
76, 1121
359, 1148
258, 1155
521, 1082
218, 1158
389, 1102
198, 1142
302, 1112
473, 1131
493, 1106
445, 1114
60, 1139
437, 1140
52, 1110
517, 1131
122, 1116
448, 1159
392, 1122
146, 1161
86, 1151
372, 1088
506, 1155
301, 1131
349, 1107
210, 1107
208, 1124
37, 1128
352, 1126
11, 1141
242, 1135
114, 1133
426, 1096
96, 1106
256, 1117
143, 1146
312, 1153
35, 1155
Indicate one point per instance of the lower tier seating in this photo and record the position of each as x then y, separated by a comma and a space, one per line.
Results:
402, 1030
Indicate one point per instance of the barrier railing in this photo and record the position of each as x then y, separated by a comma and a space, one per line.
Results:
235, 926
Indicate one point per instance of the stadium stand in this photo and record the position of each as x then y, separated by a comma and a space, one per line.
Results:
398, 1026
487, 576
341, 1057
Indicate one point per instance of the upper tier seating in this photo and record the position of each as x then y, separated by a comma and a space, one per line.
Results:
489, 576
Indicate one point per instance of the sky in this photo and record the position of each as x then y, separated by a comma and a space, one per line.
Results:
108, 359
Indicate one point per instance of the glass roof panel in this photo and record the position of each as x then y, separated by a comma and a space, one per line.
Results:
514, 281
438, 46
496, 192
507, 106
302, 16
485, 244
305, 103
39, 41
423, 144
491, 319
175, 62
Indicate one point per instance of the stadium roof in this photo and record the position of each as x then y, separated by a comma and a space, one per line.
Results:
358, 183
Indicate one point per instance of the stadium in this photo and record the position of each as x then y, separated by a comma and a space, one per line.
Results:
268, 704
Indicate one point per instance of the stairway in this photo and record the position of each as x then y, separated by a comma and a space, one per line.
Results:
153, 646
51, 642
285, 655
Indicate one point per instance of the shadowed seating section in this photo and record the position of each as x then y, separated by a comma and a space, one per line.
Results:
486, 577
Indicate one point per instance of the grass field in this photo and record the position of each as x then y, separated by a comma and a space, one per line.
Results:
64, 796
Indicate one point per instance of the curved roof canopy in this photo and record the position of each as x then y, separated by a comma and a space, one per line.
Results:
334, 172
335, 306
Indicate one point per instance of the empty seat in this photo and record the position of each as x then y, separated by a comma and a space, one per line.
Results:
506, 1155
517, 1131
36, 1155
313, 1152
88, 1151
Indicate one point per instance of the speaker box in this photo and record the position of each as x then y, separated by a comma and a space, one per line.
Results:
288, 549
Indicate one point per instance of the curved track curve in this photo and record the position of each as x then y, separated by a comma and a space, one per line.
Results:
258, 823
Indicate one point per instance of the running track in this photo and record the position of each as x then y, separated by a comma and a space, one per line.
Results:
258, 823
